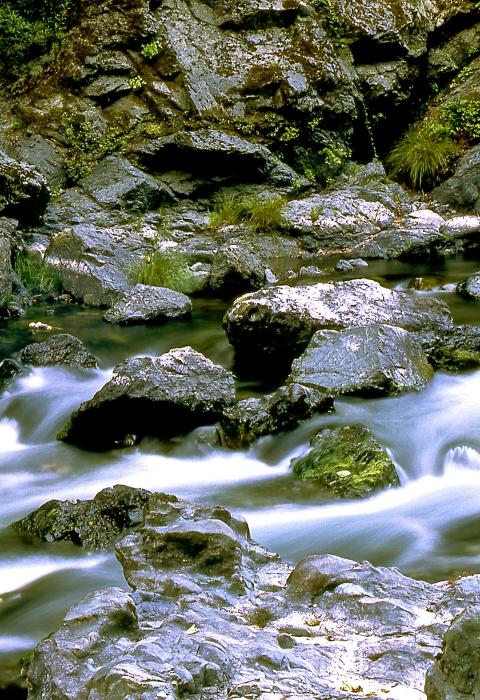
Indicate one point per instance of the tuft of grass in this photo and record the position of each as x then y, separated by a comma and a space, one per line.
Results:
164, 269
36, 276
261, 213
423, 156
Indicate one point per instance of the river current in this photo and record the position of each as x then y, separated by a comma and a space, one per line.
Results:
429, 527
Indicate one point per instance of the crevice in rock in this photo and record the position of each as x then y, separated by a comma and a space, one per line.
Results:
269, 19
453, 26
366, 51
13, 692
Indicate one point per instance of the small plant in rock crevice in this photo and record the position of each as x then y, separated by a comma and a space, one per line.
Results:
164, 269
260, 213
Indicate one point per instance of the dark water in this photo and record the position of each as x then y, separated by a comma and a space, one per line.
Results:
429, 527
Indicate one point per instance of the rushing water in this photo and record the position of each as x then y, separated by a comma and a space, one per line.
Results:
428, 527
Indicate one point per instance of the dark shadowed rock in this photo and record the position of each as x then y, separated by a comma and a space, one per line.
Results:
271, 327
6, 271
23, 191
236, 268
60, 349
348, 462
95, 524
250, 419
9, 368
462, 190
470, 288
115, 182
364, 361
459, 349
147, 304
455, 675
163, 397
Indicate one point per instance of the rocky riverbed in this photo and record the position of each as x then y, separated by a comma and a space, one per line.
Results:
239, 261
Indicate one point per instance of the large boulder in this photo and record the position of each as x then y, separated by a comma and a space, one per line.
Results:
60, 349
270, 327
372, 360
236, 268
114, 511
163, 396
462, 189
347, 462
455, 673
24, 192
147, 304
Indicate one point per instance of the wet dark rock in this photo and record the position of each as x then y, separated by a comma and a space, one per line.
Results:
457, 350
367, 361
95, 524
236, 268
115, 182
455, 673
213, 613
6, 271
60, 349
250, 419
147, 304
9, 368
163, 397
470, 288
462, 189
348, 462
23, 190
43, 155
273, 326
107, 89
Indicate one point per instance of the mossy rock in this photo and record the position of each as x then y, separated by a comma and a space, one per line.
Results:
348, 462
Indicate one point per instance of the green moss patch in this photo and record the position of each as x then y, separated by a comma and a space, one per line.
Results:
348, 462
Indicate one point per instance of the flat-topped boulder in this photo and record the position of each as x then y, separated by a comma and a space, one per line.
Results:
147, 304
272, 326
60, 349
366, 361
162, 397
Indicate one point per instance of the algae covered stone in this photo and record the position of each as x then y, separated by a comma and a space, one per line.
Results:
347, 461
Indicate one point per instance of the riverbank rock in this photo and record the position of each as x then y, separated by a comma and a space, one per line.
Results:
462, 190
470, 288
367, 361
455, 673
24, 192
459, 349
253, 418
114, 512
347, 462
147, 304
163, 396
213, 614
270, 327
60, 349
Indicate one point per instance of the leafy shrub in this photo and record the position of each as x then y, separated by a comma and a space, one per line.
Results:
36, 276
423, 156
462, 118
28, 28
262, 214
164, 269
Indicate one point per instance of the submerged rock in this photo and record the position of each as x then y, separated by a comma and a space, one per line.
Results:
470, 288
213, 614
60, 349
163, 396
95, 524
363, 361
271, 327
147, 304
347, 462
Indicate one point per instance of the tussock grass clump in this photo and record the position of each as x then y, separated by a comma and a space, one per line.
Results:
36, 276
164, 269
261, 213
423, 156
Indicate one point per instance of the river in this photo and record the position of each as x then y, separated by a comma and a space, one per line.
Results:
428, 527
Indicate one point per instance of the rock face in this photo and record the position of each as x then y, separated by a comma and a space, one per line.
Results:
23, 191
273, 326
462, 190
454, 675
364, 361
163, 397
147, 304
470, 288
114, 511
347, 462
213, 614
60, 349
